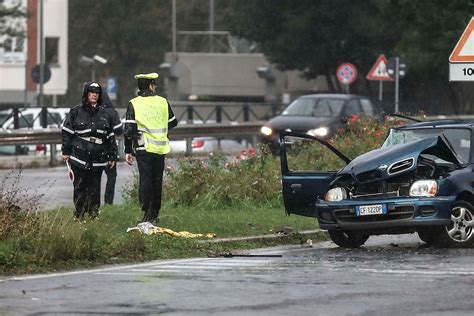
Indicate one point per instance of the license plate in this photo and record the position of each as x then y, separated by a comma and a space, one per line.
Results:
371, 209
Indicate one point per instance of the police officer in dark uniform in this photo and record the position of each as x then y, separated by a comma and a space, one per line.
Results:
148, 119
89, 146
111, 169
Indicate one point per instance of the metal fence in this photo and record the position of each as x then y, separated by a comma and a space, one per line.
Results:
53, 136
219, 112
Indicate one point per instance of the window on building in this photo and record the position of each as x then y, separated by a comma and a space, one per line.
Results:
14, 44
51, 53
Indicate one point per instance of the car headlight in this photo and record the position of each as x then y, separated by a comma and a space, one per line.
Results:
321, 131
336, 194
265, 130
424, 188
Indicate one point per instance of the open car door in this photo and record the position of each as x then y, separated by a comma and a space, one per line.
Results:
308, 165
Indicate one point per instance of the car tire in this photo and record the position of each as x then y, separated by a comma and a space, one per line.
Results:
428, 235
460, 232
348, 239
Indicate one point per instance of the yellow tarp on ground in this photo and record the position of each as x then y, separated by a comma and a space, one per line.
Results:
149, 229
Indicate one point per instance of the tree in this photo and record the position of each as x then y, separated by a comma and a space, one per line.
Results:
12, 26
316, 36
133, 35
130, 34
311, 36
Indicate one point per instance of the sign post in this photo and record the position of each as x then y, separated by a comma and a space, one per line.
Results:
379, 72
461, 60
397, 68
112, 88
346, 74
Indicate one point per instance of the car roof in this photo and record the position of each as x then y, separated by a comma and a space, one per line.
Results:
440, 123
332, 95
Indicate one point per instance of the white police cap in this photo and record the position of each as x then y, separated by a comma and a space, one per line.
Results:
152, 75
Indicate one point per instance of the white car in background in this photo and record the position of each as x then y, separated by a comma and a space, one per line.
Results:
30, 118
203, 145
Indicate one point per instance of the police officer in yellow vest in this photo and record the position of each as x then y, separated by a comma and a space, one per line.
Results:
148, 119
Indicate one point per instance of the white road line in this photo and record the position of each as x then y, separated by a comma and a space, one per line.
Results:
105, 269
421, 272
198, 266
157, 266
129, 273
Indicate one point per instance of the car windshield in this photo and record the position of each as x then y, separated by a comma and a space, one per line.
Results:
315, 107
459, 140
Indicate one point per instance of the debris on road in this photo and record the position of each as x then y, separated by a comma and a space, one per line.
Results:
148, 228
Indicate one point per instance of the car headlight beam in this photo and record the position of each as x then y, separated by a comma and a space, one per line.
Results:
265, 130
424, 188
336, 194
321, 132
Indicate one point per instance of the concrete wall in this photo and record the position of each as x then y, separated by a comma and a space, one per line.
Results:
16, 76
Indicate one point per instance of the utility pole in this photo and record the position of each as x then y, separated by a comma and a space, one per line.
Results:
397, 77
44, 110
211, 25
173, 13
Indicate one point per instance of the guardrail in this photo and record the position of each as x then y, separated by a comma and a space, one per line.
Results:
53, 135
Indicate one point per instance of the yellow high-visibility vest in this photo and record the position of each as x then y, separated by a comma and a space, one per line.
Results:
151, 116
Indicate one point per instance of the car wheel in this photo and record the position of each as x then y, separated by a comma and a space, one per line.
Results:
348, 239
459, 233
428, 235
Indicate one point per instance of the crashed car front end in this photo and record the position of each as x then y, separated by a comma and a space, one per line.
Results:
396, 188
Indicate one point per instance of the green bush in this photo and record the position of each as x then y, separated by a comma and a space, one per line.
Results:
217, 182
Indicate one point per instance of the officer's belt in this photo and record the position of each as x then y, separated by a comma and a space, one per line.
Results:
93, 140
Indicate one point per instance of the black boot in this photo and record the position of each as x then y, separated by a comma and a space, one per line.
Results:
153, 218
146, 217
79, 216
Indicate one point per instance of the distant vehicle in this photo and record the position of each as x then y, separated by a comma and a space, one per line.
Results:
318, 115
420, 180
202, 145
30, 118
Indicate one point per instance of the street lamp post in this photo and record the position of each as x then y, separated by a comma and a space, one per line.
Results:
91, 61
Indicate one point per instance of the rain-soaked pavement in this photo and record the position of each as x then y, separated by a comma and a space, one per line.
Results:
50, 188
389, 276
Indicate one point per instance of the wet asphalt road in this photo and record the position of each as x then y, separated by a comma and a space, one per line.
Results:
50, 188
389, 276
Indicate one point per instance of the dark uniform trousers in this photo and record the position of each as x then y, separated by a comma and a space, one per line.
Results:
111, 173
150, 168
86, 191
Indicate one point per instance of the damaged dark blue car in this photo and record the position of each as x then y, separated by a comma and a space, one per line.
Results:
421, 180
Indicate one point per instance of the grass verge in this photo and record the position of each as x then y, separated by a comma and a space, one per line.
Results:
52, 241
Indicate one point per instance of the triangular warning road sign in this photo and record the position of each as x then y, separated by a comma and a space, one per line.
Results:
379, 70
464, 50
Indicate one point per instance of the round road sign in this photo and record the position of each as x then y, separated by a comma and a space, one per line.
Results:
35, 73
346, 73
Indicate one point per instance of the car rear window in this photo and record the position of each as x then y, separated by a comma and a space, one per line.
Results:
315, 107
367, 107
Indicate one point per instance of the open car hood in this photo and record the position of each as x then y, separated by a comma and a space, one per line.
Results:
381, 159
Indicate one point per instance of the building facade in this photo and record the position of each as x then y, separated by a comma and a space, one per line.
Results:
20, 54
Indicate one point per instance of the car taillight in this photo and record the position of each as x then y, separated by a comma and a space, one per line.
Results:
40, 147
197, 144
